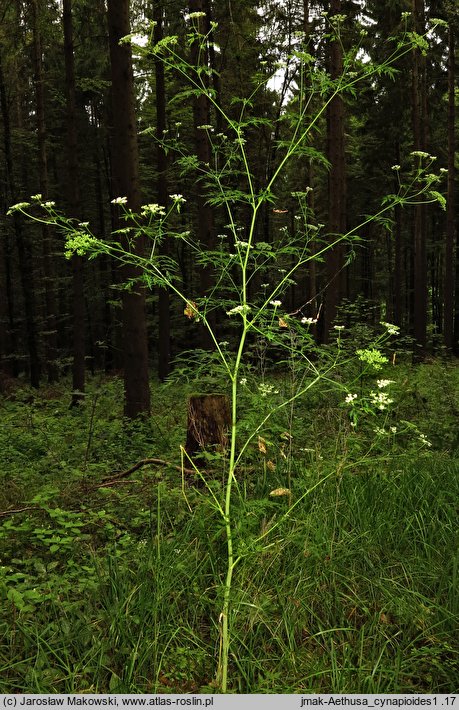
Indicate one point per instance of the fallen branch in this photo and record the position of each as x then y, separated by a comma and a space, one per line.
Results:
107, 483
145, 462
4, 513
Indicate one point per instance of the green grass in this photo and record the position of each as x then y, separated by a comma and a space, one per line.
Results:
119, 589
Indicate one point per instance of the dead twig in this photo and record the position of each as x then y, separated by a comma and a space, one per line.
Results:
4, 513
108, 483
140, 464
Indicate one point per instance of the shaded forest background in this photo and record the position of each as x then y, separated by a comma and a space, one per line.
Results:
312, 546
70, 132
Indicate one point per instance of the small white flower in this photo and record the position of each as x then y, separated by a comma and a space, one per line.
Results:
17, 207
308, 321
391, 328
395, 167
381, 400
276, 304
153, 209
119, 201
38, 197
350, 398
266, 390
177, 198
424, 440
384, 383
338, 327
241, 245
238, 309
420, 154
49, 204
243, 381
393, 429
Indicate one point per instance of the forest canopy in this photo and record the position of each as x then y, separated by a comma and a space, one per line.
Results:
202, 76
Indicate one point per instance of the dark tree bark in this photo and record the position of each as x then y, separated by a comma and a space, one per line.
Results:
48, 261
216, 83
311, 277
164, 346
398, 256
125, 183
448, 330
419, 121
209, 420
336, 186
8, 322
73, 197
101, 323
201, 117
25, 261
8, 326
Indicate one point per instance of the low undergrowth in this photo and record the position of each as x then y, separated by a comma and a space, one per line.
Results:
116, 587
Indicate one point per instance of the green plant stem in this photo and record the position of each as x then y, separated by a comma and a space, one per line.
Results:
225, 626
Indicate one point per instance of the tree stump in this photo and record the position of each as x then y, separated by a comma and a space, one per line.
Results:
209, 418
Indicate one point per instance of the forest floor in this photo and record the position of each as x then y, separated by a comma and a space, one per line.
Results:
114, 584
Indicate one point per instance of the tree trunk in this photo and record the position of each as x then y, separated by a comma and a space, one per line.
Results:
450, 205
201, 117
419, 119
8, 327
48, 262
209, 419
25, 262
78, 368
164, 345
125, 183
398, 255
104, 321
336, 186
311, 274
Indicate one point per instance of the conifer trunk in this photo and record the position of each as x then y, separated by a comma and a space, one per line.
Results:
201, 117
448, 331
164, 346
336, 186
419, 119
50, 334
125, 183
73, 188
24, 264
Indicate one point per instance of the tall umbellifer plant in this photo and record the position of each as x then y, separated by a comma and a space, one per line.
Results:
250, 276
